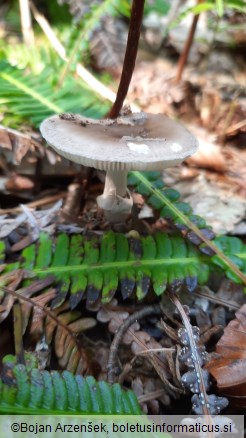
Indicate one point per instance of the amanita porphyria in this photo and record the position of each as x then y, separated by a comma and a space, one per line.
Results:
137, 141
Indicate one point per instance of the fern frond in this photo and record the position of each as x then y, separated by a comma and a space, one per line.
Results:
25, 390
30, 97
95, 267
180, 214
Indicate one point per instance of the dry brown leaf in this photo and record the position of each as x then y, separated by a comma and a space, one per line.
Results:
36, 328
214, 200
16, 142
4, 139
148, 389
11, 280
8, 225
70, 354
209, 156
229, 365
15, 145
19, 183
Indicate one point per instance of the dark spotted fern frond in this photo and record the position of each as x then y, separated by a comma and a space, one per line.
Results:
27, 390
96, 267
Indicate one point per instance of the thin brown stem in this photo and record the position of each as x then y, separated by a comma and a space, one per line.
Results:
130, 56
184, 55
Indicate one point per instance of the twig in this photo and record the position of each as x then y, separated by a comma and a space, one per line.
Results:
235, 127
155, 350
228, 117
183, 58
217, 300
96, 85
130, 56
35, 204
60, 49
148, 310
152, 395
26, 22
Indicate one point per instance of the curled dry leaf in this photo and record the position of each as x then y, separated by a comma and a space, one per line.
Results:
38, 316
4, 139
209, 156
17, 144
71, 355
11, 280
229, 365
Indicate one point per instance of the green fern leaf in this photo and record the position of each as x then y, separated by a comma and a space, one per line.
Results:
96, 267
25, 390
231, 246
32, 97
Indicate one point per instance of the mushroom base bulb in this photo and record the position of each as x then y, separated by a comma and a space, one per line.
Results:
116, 208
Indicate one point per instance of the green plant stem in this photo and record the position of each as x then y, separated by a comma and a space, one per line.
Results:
130, 56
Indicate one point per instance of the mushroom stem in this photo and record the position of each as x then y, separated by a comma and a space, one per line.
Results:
116, 181
116, 200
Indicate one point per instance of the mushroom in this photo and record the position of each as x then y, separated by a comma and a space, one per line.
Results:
136, 141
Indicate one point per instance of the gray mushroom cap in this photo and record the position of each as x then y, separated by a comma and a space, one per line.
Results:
139, 141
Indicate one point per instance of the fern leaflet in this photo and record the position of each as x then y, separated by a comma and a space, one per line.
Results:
25, 390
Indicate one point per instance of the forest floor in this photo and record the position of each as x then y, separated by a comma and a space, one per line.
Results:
41, 191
